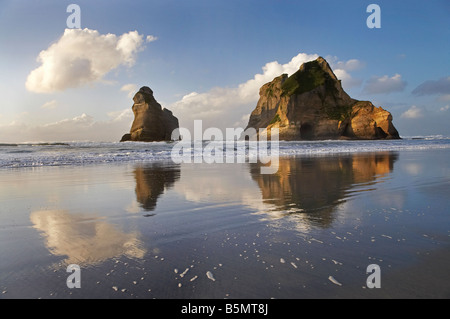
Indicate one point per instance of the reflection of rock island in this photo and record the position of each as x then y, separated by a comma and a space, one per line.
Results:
313, 187
151, 181
85, 238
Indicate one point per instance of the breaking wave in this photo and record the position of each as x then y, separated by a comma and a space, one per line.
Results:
84, 153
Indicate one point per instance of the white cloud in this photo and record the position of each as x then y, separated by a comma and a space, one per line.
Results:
413, 112
347, 80
120, 116
49, 105
131, 89
350, 65
250, 89
222, 107
80, 57
445, 108
385, 84
79, 128
151, 38
83, 120
342, 68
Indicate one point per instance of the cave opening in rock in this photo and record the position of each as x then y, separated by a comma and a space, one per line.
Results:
306, 131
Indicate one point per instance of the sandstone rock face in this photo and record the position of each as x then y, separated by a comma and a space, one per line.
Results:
151, 122
312, 105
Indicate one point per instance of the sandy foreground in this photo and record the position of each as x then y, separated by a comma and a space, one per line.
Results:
160, 230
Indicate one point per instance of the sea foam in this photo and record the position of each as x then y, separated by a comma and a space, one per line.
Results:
86, 153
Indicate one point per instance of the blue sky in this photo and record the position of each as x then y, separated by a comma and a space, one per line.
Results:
207, 59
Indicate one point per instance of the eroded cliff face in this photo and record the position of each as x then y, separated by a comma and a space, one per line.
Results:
151, 122
312, 105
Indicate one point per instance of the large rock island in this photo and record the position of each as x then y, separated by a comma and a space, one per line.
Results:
151, 122
311, 105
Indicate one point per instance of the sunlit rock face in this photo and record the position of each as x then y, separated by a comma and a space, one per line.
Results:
312, 105
151, 122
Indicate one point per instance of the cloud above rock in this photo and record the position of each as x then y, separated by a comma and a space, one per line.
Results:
385, 84
230, 106
82, 56
342, 71
218, 102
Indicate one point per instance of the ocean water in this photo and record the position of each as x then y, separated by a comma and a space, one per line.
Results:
83, 153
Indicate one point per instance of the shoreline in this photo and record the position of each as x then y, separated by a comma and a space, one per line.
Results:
92, 153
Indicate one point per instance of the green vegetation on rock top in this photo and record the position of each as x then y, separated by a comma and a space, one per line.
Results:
339, 113
304, 80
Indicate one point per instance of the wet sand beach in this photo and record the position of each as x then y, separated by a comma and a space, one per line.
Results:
162, 230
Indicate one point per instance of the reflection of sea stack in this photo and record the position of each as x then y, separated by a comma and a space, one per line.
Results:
151, 181
311, 105
313, 187
151, 122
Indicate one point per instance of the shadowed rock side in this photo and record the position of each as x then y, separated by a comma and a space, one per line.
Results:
151, 122
311, 105
151, 181
310, 189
